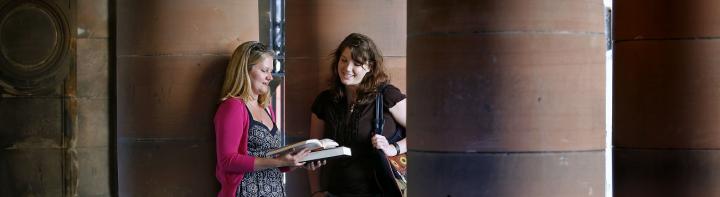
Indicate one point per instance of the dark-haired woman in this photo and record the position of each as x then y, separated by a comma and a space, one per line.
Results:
344, 113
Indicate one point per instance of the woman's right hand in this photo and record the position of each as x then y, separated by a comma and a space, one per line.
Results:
312, 166
290, 159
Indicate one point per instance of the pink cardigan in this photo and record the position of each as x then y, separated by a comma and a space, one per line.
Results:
231, 134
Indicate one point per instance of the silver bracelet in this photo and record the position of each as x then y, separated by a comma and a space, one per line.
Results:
397, 147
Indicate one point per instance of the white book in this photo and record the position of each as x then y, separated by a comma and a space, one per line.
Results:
328, 154
312, 144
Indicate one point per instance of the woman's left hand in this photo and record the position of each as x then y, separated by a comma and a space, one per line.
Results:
380, 142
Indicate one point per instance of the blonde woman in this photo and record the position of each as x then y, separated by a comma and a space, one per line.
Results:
245, 128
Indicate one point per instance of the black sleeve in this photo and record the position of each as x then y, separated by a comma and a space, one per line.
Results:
320, 103
392, 95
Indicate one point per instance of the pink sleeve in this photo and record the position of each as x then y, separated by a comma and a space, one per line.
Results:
231, 127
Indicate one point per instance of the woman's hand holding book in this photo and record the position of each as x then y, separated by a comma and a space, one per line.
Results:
293, 158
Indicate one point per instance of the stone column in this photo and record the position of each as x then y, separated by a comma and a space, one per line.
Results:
171, 60
95, 151
39, 98
507, 98
666, 98
55, 124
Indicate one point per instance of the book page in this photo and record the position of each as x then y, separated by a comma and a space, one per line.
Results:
313, 144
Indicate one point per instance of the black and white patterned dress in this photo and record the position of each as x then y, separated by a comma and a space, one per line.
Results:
268, 182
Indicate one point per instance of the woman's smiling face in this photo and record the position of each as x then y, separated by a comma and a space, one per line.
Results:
351, 73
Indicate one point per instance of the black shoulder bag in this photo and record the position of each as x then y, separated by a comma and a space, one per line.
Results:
390, 172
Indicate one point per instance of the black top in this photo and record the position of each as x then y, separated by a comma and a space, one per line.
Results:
353, 175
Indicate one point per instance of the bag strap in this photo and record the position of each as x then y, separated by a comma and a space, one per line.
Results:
378, 121
387, 170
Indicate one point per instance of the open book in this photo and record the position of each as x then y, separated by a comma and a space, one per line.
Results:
327, 154
321, 149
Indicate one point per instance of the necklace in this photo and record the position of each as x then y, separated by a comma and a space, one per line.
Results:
352, 101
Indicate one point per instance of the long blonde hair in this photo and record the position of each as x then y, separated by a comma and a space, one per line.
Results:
237, 78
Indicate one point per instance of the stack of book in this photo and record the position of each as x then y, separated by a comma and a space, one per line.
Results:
320, 149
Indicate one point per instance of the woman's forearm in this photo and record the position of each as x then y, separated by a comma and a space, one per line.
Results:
314, 179
265, 163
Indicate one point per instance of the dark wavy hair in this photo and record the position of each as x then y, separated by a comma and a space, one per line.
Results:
363, 50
